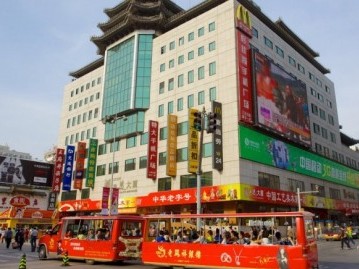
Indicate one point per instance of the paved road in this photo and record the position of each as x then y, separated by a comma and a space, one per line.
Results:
330, 256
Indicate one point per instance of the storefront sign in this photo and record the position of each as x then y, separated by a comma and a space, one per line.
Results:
91, 163
80, 162
59, 162
171, 162
152, 150
69, 162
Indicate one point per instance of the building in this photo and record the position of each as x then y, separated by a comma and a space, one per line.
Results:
160, 63
6, 151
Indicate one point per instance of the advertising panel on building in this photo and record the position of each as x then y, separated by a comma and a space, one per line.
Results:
280, 100
24, 172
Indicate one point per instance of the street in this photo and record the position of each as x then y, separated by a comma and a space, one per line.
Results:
330, 257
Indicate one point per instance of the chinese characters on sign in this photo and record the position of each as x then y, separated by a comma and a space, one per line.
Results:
80, 163
91, 163
171, 167
152, 150
193, 143
59, 162
66, 181
217, 157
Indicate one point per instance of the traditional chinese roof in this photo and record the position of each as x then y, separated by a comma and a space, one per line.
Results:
347, 140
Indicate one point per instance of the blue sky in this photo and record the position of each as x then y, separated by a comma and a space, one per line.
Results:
43, 40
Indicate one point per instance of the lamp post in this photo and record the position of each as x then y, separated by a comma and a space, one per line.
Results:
300, 192
112, 120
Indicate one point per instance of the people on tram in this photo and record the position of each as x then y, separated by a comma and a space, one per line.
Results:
209, 237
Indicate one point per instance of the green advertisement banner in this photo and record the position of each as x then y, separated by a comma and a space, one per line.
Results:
91, 163
263, 149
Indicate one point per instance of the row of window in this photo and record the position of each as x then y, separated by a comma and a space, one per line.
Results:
85, 101
86, 116
190, 102
319, 130
88, 85
320, 97
273, 181
268, 43
74, 138
190, 37
190, 56
322, 114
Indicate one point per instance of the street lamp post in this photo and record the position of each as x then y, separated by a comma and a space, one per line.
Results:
112, 120
300, 192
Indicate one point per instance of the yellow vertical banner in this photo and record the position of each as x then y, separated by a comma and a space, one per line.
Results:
171, 163
193, 142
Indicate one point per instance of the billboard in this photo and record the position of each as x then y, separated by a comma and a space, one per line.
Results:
25, 172
281, 103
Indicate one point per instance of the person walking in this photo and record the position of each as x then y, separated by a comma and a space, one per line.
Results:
33, 238
344, 237
8, 237
349, 232
20, 238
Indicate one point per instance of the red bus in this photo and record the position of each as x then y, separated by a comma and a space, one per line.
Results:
239, 240
94, 238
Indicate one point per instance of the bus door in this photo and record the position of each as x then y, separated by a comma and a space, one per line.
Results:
130, 232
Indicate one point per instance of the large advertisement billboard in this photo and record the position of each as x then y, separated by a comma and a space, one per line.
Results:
281, 102
25, 172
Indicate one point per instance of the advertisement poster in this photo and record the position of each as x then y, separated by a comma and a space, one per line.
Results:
69, 162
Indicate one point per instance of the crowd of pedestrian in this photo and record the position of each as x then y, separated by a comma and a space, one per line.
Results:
15, 238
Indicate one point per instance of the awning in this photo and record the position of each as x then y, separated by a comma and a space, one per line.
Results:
5, 214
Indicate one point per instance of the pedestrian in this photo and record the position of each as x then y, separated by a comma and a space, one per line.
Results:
33, 238
343, 237
8, 237
349, 232
3, 230
20, 238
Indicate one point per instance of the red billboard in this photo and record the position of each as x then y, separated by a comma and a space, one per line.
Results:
281, 103
16, 171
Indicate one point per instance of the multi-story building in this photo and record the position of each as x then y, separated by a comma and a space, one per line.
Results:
161, 63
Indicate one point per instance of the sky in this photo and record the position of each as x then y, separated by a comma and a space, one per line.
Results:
42, 41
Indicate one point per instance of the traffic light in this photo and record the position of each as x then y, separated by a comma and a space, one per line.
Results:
197, 122
211, 122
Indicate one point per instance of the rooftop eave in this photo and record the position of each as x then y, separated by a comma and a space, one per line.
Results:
87, 68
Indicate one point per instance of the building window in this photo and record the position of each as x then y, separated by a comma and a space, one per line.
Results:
180, 81
172, 45
319, 82
191, 55
318, 148
201, 31
130, 164
162, 67
201, 51
201, 73
291, 61
144, 138
211, 26
313, 92
191, 36
171, 63
320, 189
180, 104
268, 42
331, 119
131, 142
333, 138
161, 110
212, 68
161, 87
182, 128
268, 181
212, 93
170, 107
115, 168
314, 109
322, 114
279, 51
293, 184
201, 98
171, 84
163, 49
190, 100
101, 170
190, 77
163, 133
181, 41
115, 146
164, 184
334, 194
311, 76
212, 46
301, 69
102, 149
207, 150
143, 162
316, 128
162, 156
182, 155
190, 181
254, 32
181, 59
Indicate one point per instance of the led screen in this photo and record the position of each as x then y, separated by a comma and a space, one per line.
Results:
280, 100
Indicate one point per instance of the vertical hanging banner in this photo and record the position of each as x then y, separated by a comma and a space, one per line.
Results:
217, 157
193, 142
52, 201
152, 150
114, 201
80, 165
91, 163
69, 162
171, 162
245, 93
59, 163
105, 196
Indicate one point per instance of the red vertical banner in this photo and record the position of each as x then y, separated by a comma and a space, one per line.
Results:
171, 162
114, 201
59, 163
245, 93
105, 196
80, 164
152, 150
